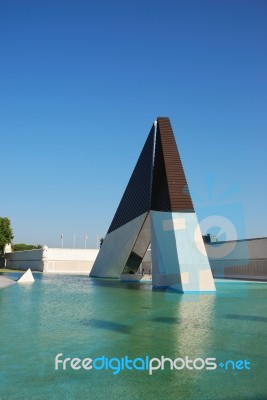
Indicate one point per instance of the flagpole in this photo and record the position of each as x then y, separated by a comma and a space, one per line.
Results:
74, 238
85, 238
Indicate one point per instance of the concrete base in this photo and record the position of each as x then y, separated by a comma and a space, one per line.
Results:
136, 278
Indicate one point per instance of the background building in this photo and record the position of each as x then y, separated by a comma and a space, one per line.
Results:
240, 259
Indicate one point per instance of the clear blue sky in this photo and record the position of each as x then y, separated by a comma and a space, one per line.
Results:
81, 83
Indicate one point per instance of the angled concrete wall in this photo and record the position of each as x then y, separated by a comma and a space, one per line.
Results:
116, 249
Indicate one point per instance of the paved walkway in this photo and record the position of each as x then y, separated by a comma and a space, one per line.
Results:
4, 282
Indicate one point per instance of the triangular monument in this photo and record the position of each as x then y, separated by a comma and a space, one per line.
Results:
27, 277
157, 208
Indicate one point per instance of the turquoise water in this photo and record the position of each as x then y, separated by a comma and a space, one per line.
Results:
81, 317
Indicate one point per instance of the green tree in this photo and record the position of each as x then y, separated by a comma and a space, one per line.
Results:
6, 234
23, 247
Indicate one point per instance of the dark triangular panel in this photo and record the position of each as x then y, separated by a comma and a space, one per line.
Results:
169, 188
136, 198
160, 199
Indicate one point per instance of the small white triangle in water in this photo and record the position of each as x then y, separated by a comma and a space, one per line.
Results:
27, 277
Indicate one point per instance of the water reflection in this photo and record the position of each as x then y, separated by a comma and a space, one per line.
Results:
79, 317
252, 318
168, 320
109, 325
117, 284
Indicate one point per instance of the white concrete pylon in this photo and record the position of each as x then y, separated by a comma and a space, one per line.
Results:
179, 258
27, 277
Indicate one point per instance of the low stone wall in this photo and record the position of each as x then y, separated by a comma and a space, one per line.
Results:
239, 259
22, 260
53, 260
240, 269
2, 263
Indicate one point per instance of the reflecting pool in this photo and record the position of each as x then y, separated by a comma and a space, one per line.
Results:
82, 318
